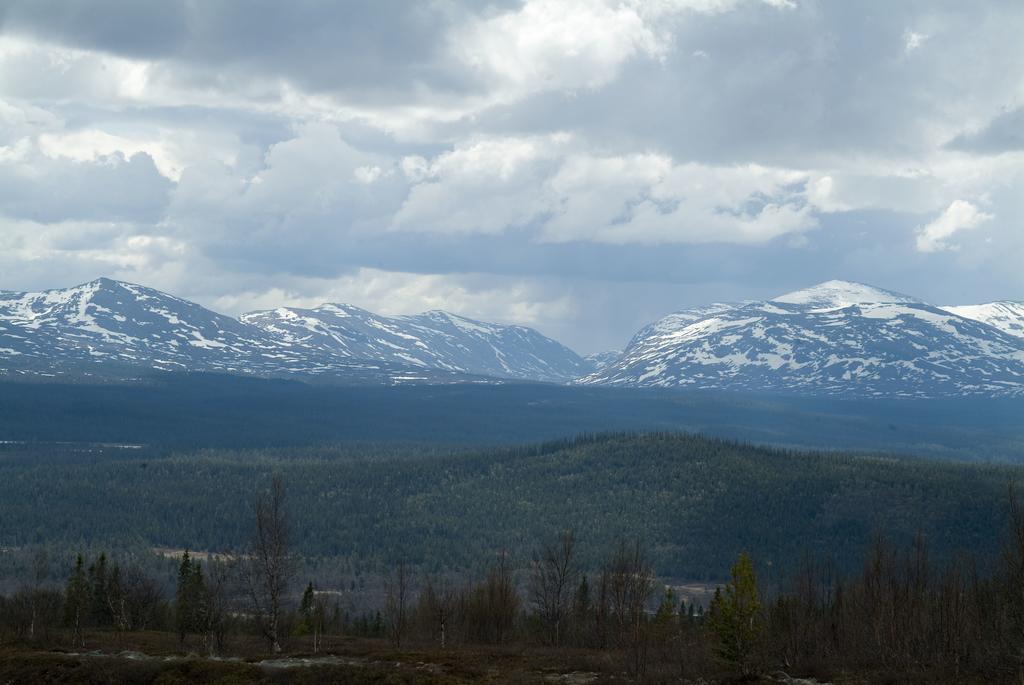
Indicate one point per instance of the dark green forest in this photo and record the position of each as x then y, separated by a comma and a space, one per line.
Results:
696, 502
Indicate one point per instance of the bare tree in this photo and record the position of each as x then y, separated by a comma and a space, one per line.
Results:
434, 610
269, 565
502, 598
142, 595
629, 578
220, 577
397, 604
40, 571
553, 576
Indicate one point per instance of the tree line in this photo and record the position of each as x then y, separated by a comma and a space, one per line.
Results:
901, 612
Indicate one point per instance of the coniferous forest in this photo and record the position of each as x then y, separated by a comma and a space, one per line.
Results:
621, 556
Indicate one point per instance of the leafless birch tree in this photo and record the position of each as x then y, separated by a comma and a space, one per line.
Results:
269, 565
553, 577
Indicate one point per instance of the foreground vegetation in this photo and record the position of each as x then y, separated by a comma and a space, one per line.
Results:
900, 618
566, 572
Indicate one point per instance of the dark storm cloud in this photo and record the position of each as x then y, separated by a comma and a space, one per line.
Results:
376, 47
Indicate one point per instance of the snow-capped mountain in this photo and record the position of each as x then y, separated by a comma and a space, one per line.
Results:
433, 339
599, 360
112, 329
837, 338
1006, 316
124, 324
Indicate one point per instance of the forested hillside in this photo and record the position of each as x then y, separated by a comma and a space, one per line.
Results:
696, 502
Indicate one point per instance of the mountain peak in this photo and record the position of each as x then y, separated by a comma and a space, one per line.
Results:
339, 308
836, 294
105, 283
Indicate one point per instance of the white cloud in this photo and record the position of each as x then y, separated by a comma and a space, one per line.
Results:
493, 185
912, 40
547, 45
482, 186
92, 144
76, 251
704, 204
554, 44
961, 215
315, 185
506, 300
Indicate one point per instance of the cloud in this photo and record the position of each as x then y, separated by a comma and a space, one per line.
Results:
649, 199
554, 44
482, 186
961, 215
1005, 133
564, 193
912, 40
504, 300
311, 195
112, 187
626, 157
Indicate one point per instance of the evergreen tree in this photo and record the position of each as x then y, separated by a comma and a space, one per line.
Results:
581, 611
312, 616
99, 610
665, 626
306, 609
191, 600
199, 619
182, 604
77, 602
736, 617
667, 608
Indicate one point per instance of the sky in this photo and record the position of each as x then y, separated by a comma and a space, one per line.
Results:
580, 166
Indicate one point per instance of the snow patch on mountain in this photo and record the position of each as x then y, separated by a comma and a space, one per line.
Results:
1006, 315
838, 294
434, 339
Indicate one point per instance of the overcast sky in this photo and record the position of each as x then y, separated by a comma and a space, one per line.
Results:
580, 166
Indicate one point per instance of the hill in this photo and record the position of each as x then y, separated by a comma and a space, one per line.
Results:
695, 501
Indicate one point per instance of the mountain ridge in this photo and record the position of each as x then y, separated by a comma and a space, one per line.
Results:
113, 328
834, 338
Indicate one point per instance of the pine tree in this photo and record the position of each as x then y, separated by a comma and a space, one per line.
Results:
313, 616
306, 608
77, 601
736, 618
581, 610
199, 616
190, 601
99, 610
665, 625
667, 609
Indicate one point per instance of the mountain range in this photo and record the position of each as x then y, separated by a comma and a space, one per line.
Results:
837, 338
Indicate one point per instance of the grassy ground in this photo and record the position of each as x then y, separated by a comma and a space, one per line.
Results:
155, 658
